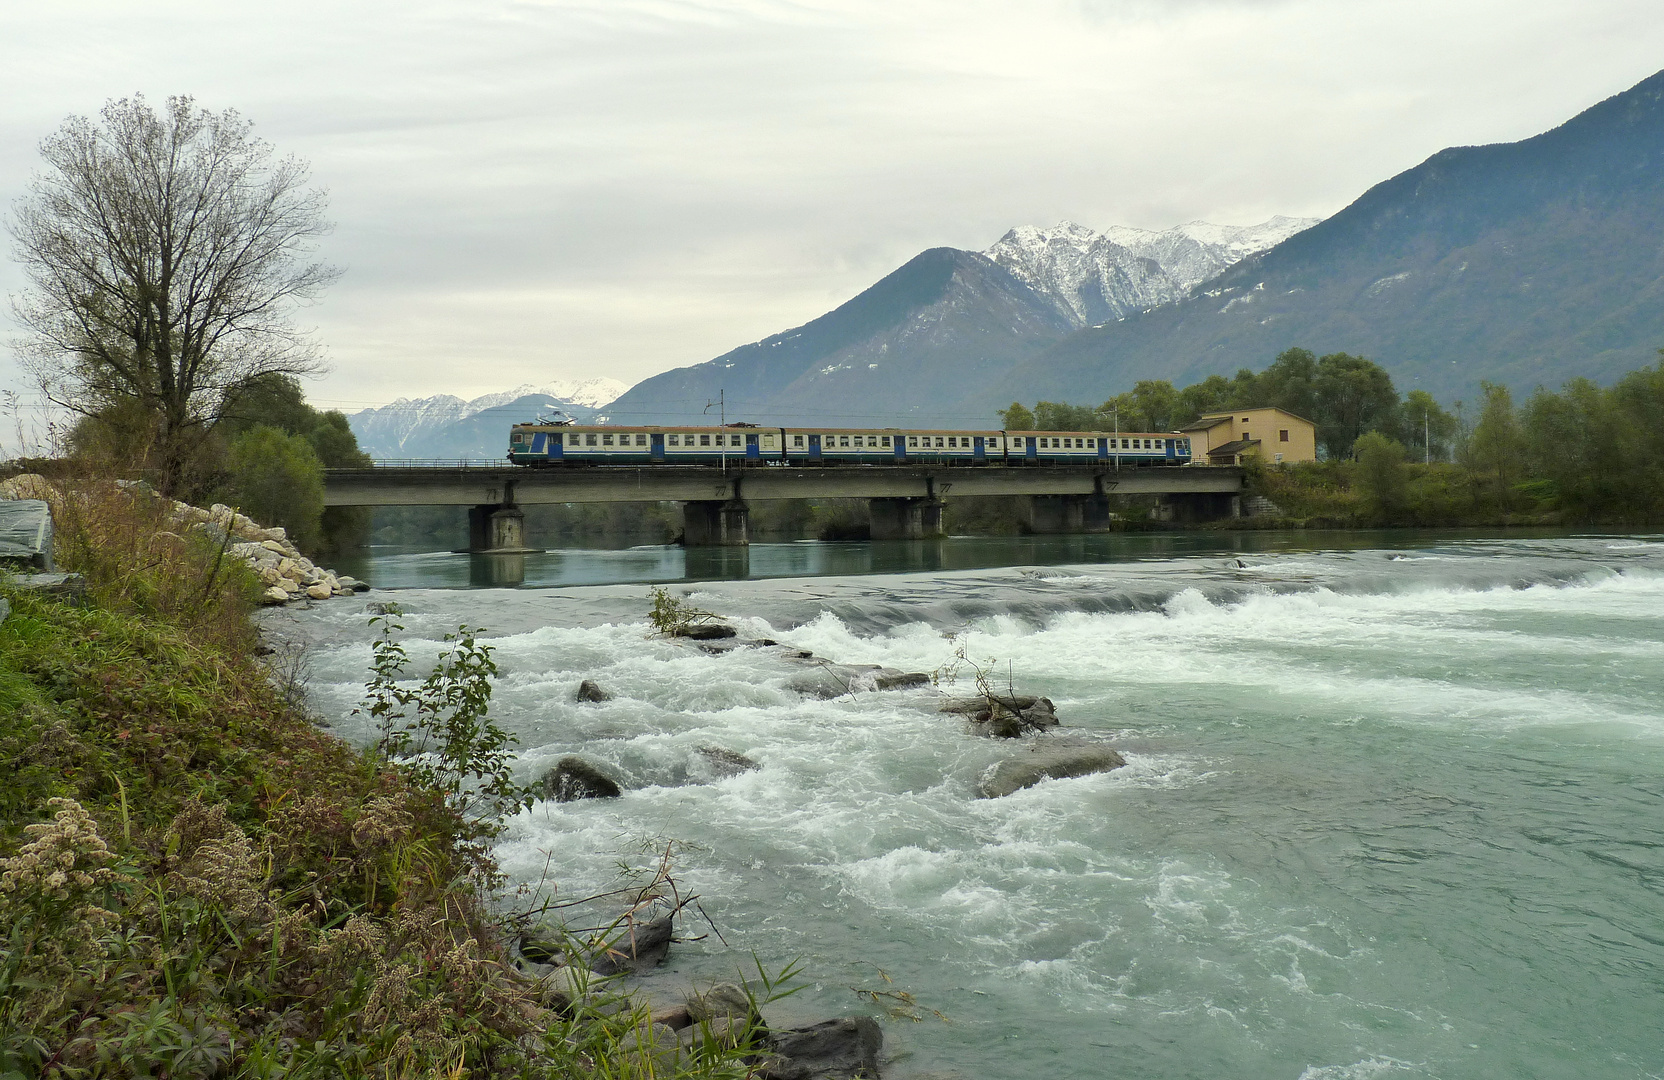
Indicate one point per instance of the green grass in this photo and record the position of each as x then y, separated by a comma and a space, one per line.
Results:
197, 880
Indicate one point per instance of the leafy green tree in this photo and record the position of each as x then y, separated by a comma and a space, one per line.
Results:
1213, 394
1381, 474
1289, 382
1017, 418
1353, 395
1497, 444
1159, 403
1427, 426
277, 479
1057, 416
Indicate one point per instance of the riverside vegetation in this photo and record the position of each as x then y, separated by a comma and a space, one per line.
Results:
196, 880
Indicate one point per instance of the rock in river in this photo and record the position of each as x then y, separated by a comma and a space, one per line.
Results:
573, 778
1043, 762
590, 690
835, 1050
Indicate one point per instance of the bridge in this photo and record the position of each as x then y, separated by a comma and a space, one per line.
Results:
905, 500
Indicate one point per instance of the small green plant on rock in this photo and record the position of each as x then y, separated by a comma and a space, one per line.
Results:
439, 731
673, 616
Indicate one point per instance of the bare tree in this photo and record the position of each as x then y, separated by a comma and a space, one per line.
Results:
165, 255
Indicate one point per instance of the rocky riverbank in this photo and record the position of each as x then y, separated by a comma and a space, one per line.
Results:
286, 575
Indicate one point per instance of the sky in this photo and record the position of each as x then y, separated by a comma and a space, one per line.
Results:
525, 192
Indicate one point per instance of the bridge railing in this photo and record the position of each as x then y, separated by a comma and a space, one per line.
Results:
440, 463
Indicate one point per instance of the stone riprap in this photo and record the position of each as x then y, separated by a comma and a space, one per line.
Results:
286, 575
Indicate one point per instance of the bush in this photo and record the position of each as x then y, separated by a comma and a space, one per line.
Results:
277, 479
1381, 474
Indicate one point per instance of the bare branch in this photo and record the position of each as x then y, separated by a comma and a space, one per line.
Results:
165, 254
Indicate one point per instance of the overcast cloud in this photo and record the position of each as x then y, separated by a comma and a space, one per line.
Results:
539, 190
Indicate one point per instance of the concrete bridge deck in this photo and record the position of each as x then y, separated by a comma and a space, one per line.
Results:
905, 499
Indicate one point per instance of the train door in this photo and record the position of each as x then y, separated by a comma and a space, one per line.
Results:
814, 448
753, 448
1031, 448
1103, 449
900, 447
656, 449
979, 450
1172, 452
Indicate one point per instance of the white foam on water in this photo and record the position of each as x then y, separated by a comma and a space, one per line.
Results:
1073, 896
1370, 1068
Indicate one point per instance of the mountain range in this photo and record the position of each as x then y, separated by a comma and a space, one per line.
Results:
1519, 263
445, 426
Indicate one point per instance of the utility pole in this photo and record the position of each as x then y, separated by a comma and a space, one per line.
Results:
721, 404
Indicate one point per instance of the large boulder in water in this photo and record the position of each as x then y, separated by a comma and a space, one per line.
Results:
839, 1049
725, 763
706, 631
573, 778
590, 690
1043, 762
1004, 715
641, 945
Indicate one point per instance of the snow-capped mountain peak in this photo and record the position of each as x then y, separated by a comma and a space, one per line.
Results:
1098, 277
428, 427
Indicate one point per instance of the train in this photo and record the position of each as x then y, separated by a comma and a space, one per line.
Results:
740, 444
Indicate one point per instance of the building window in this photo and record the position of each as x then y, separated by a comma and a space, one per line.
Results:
1247, 436
589, 440
1247, 420
1282, 436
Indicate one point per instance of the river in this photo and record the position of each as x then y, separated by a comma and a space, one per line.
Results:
1393, 807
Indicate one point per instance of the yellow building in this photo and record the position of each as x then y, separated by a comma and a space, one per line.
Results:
1272, 435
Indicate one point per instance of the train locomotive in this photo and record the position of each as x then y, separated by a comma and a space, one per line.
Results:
545, 444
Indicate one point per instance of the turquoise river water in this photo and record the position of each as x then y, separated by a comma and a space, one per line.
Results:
1393, 807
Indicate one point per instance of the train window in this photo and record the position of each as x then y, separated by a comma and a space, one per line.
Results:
554, 438
843, 440
589, 440
797, 440
733, 440
912, 440
872, 440
952, 441
606, 440
641, 440
884, 440
704, 440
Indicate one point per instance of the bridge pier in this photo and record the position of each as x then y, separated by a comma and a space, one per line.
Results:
716, 523
1058, 513
905, 519
497, 528
1198, 506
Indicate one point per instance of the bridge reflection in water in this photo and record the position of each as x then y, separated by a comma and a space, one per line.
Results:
670, 563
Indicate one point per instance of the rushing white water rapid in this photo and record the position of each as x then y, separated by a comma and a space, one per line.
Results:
1386, 813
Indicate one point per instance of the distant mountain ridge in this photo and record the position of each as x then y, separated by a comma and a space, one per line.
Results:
446, 426
1520, 263
948, 321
